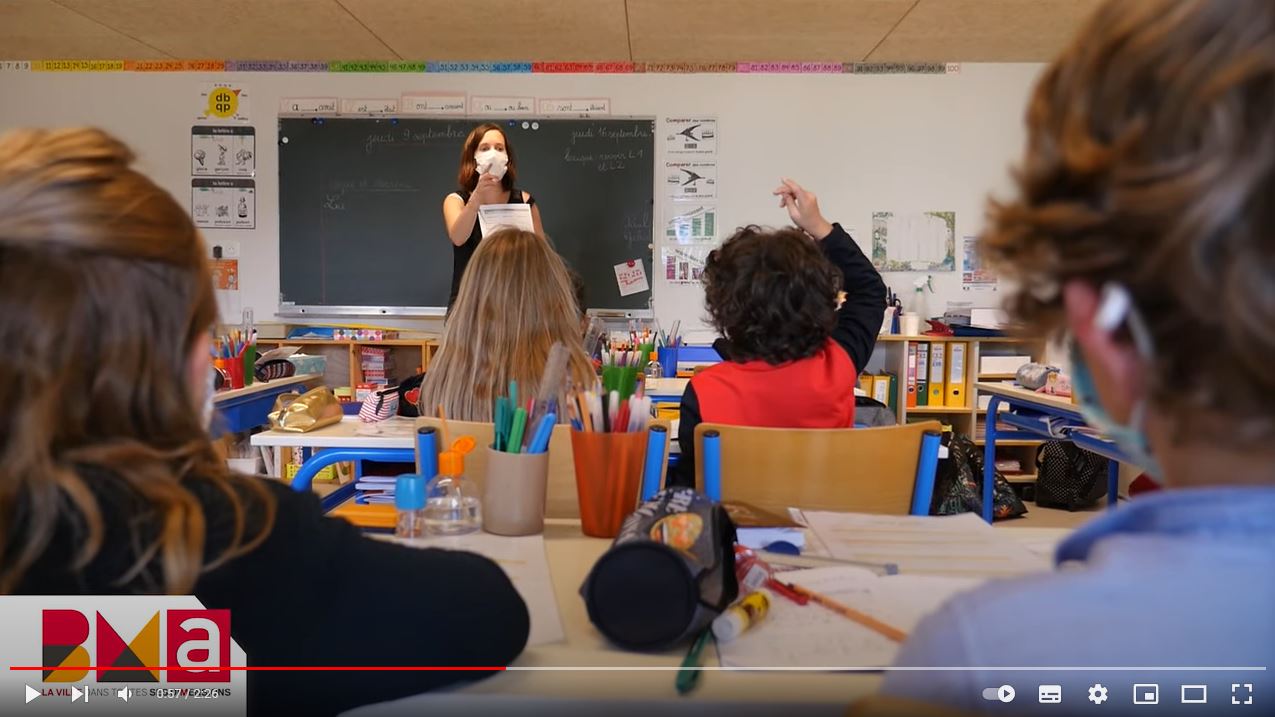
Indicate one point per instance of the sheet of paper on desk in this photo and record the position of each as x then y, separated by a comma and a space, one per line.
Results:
810, 635
503, 216
961, 545
523, 560
394, 426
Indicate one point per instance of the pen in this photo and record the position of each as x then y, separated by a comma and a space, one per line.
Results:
688, 675
853, 615
787, 591
515, 433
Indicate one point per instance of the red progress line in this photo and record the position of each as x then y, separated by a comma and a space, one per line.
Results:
260, 668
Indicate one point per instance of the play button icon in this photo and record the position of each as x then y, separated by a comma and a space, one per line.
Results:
1004, 693
32, 694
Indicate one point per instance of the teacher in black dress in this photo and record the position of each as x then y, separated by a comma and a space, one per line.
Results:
486, 176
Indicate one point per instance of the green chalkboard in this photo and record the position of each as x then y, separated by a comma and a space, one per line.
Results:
360, 206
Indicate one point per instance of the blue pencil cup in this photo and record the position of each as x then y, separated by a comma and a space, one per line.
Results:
668, 361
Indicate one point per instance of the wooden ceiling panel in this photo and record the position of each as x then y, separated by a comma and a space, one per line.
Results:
759, 30
44, 30
585, 30
240, 29
984, 31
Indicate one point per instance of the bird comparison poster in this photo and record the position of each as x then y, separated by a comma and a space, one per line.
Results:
690, 196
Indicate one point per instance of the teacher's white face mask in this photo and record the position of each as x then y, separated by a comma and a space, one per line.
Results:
493, 162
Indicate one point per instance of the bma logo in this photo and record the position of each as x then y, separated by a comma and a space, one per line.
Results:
198, 642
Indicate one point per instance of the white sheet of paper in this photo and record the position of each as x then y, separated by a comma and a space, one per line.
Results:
499, 216
951, 545
631, 277
523, 560
811, 635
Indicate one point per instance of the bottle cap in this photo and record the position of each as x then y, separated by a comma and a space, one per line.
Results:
452, 462
655, 356
409, 492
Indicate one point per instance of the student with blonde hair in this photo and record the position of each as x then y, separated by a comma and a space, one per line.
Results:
516, 300
109, 483
1142, 228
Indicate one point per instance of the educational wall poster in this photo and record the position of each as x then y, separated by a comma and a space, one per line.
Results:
685, 264
363, 106
631, 277
690, 180
914, 241
222, 151
441, 104
487, 106
690, 135
225, 275
688, 223
576, 107
308, 105
222, 101
223, 203
974, 276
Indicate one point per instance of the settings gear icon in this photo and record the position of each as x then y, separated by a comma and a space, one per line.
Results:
1097, 694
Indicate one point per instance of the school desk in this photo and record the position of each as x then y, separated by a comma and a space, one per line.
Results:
650, 684
242, 409
1025, 411
351, 440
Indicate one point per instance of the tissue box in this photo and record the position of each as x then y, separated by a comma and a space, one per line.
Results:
309, 364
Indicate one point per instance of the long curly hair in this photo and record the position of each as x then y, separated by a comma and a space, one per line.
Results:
104, 293
1150, 162
772, 294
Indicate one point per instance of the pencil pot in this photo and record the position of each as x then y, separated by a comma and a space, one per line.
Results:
514, 492
249, 363
668, 361
670, 571
233, 370
608, 476
620, 378
645, 351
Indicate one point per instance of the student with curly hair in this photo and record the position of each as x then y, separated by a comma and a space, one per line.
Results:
791, 354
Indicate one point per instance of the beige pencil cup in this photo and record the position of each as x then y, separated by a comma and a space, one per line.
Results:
514, 493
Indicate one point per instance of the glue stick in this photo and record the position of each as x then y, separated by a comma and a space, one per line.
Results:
741, 616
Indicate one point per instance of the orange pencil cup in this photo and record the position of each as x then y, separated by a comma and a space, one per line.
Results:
608, 477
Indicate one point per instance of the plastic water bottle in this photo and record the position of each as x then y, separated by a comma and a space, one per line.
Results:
409, 501
453, 503
653, 367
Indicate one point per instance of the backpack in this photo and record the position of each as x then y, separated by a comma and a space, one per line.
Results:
409, 393
871, 413
1069, 477
958, 483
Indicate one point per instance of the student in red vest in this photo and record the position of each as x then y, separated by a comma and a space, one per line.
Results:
791, 355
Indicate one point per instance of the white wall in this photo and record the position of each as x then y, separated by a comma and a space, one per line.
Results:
862, 143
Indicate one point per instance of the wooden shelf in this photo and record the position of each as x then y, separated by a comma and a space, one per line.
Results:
997, 376
1009, 442
1020, 477
935, 409
976, 339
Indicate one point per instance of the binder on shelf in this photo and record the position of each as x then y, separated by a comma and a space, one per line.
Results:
881, 388
923, 373
956, 353
911, 375
938, 377
865, 383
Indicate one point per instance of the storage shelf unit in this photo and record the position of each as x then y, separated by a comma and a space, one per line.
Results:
344, 367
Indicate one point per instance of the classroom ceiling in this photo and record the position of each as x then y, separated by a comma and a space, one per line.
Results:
542, 30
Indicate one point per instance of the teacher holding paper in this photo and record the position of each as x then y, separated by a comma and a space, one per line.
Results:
486, 179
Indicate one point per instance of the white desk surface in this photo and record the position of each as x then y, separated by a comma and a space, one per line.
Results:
259, 386
396, 432
663, 387
1010, 390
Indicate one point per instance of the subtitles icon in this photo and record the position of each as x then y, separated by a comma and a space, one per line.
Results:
1004, 693
1050, 694
1146, 694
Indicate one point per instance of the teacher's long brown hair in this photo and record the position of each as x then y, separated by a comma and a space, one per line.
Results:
104, 292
